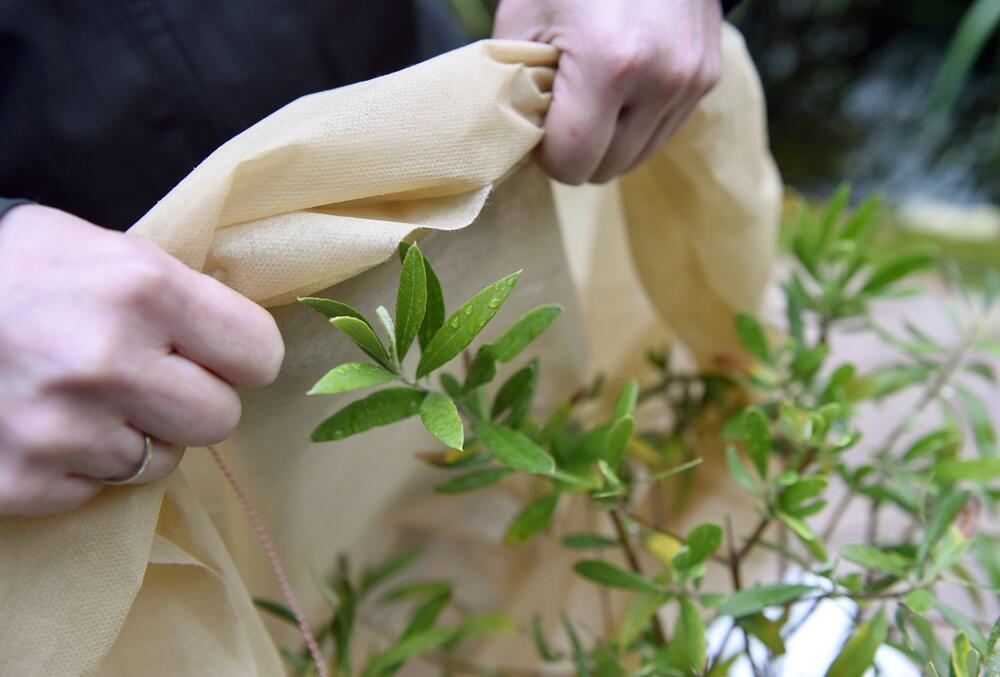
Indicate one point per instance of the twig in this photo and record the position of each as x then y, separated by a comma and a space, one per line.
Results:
653, 526
633, 562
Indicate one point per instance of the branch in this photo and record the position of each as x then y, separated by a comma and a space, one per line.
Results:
633, 562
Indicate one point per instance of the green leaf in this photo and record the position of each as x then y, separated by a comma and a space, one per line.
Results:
378, 409
638, 615
276, 609
934, 444
806, 488
961, 622
807, 363
860, 223
831, 214
524, 331
739, 471
959, 660
758, 438
608, 574
947, 508
533, 519
516, 389
482, 370
408, 648
617, 441
514, 449
427, 614
464, 325
752, 337
978, 469
472, 481
451, 386
896, 269
488, 623
415, 590
687, 651
858, 652
873, 558
627, 399
388, 569
411, 300
390, 329
351, 376
364, 337
700, 544
440, 416
332, 309
542, 646
754, 600
766, 630
435, 310
979, 417
919, 600
579, 655
584, 541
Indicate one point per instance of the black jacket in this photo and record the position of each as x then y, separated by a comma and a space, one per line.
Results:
105, 106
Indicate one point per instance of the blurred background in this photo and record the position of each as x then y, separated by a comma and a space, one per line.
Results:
901, 98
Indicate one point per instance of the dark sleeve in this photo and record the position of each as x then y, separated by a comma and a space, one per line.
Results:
8, 203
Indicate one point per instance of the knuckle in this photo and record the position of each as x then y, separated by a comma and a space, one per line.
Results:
626, 61
145, 280
98, 358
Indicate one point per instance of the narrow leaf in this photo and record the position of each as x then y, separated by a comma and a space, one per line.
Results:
411, 300
514, 449
541, 645
464, 325
858, 652
687, 651
700, 544
627, 399
758, 438
753, 600
408, 648
378, 409
752, 337
472, 481
388, 569
896, 269
516, 389
351, 376
524, 331
873, 558
584, 541
332, 309
608, 574
639, 614
980, 419
440, 416
364, 337
977, 469
533, 519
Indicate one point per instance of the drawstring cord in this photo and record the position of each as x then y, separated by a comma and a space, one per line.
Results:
279, 570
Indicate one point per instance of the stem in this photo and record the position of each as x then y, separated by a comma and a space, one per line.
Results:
633, 562
941, 378
653, 526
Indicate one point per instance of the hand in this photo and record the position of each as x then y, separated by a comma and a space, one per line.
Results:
630, 73
105, 338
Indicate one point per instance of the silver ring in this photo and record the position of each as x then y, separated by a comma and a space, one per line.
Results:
147, 456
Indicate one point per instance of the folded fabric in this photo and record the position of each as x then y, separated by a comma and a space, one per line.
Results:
140, 581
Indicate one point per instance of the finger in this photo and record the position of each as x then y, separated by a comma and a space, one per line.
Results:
636, 126
580, 122
212, 325
175, 400
39, 493
119, 452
